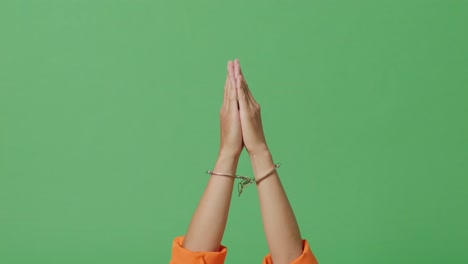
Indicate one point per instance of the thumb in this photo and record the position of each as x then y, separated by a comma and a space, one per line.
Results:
232, 104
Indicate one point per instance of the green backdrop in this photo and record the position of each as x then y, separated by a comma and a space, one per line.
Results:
109, 120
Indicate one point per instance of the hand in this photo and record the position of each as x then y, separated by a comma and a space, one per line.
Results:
231, 132
250, 118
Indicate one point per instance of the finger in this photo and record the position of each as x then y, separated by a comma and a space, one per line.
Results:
226, 90
232, 83
245, 87
242, 97
241, 73
240, 69
237, 68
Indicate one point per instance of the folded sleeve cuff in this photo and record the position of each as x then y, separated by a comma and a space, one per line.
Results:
180, 255
307, 257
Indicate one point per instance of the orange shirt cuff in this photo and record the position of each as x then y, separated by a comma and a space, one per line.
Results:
307, 257
180, 255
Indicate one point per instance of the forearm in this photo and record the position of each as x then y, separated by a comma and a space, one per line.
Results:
281, 228
209, 220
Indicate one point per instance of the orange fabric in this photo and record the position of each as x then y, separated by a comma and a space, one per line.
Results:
181, 255
307, 257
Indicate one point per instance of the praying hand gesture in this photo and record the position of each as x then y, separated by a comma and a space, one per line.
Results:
240, 110
241, 126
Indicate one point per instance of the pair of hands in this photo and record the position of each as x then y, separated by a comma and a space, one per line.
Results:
241, 123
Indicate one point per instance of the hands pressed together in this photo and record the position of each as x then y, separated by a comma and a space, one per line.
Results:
241, 122
241, 126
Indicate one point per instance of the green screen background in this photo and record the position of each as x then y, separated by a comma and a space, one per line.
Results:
109, 120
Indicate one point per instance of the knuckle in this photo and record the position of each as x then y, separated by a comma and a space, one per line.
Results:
252, 113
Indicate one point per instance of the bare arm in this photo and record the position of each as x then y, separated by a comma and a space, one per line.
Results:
206, 229
280, 225
208, 223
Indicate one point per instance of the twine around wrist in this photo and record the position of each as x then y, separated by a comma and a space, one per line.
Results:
245, 181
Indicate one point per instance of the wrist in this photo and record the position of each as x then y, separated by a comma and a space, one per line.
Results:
227, 163
259, 150
262, 162
260, 153
228, 155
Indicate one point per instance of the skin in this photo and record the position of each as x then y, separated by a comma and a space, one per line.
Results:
209, 220
241, 126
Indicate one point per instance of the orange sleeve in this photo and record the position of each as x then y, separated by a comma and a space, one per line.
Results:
181, 255
307, 257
